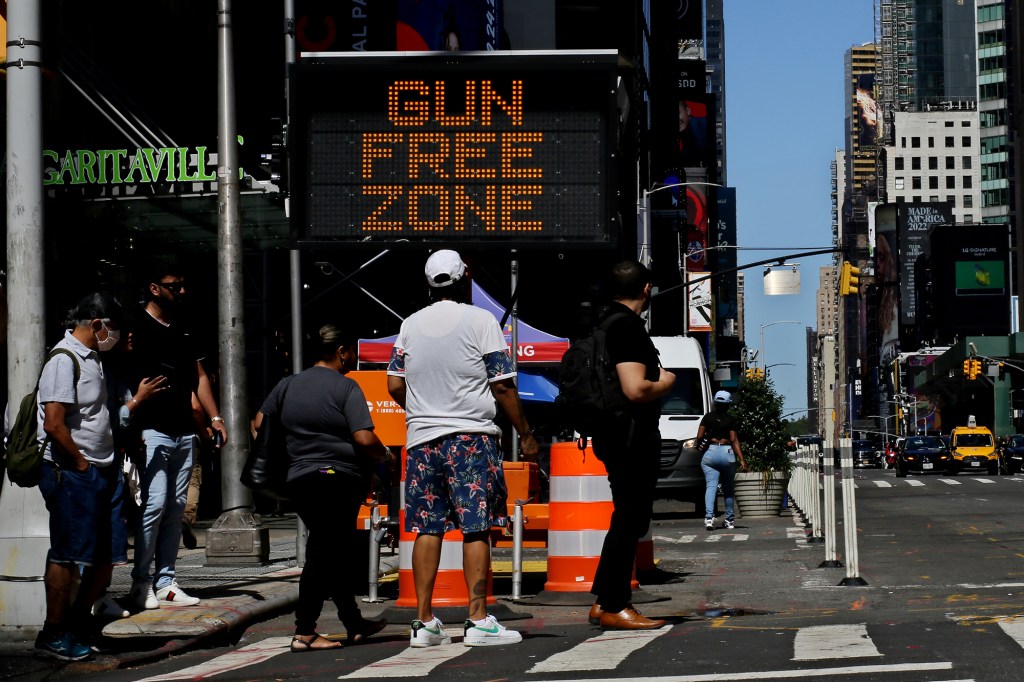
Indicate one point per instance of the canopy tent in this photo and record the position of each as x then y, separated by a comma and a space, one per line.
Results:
534, 346
535, 388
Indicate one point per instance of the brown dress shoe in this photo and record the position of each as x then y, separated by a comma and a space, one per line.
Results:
629, 619
595, 614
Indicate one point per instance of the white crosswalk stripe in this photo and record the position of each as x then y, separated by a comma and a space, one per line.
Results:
915, 484
833, 641
983, 480
604, 652
716, 536
1014, 627
950, 481
883, 484
410, 663
239, 658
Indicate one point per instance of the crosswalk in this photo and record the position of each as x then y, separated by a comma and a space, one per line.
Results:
921, 483
869, 651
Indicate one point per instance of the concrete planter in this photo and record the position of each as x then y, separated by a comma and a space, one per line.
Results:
754, 499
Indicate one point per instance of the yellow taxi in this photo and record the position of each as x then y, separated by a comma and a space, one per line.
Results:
973, 448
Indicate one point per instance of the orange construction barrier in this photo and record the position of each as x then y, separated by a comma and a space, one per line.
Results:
450, 585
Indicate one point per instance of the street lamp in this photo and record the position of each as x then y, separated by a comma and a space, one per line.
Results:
769, 325
777, 364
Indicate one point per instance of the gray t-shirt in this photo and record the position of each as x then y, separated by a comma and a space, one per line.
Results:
87, 416
321, 409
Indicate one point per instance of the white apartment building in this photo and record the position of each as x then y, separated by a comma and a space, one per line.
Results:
936, 157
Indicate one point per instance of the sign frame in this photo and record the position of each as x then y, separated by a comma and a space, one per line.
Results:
557, 201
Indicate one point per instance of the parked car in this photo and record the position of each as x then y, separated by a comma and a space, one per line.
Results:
865, 454
1013, 454
922, 454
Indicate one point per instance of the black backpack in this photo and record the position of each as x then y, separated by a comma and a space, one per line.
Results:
24, 452
590, 398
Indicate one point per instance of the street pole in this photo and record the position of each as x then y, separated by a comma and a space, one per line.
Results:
850, 517
24, 523
764, 363
236, 537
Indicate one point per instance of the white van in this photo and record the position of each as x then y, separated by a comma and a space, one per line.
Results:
681, 411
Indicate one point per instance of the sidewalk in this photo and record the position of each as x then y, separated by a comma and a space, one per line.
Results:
763, 573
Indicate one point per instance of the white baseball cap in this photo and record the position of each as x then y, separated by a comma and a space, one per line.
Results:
443, 268
723, 397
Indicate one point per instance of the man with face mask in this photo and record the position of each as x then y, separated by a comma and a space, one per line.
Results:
81, 484
630, 448
164, 347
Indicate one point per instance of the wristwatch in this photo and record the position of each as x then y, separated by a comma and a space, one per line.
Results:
217, 419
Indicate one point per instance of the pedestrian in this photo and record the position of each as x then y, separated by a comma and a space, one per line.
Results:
202, 447
331, 450
81, 483
718, 428
630, 448
163, 346
449, 366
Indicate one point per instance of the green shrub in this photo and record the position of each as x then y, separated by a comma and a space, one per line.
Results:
758, 409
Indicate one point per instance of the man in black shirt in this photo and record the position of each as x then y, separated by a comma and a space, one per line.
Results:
630, 450
163, 347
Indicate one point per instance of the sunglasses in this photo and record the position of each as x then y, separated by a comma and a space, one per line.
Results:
173, 287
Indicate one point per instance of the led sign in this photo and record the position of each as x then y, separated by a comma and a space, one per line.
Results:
506, 148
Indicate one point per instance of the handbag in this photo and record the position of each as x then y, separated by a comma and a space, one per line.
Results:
266, 466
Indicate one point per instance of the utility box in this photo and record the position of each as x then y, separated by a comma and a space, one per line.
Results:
237, 539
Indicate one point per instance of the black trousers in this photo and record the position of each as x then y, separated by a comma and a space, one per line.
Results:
328, 504
633, 476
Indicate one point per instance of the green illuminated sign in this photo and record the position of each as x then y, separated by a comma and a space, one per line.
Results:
129, 167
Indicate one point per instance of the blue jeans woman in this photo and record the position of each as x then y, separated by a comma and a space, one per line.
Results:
719, 465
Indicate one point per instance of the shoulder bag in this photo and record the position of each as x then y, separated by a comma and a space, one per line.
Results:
266, 467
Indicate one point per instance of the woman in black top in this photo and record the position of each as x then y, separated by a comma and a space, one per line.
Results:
718, 427
331, 449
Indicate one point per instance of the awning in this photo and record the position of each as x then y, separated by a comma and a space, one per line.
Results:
536, 388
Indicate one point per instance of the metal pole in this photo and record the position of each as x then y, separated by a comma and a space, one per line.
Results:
517, 550
686, 284
24, 523
378, 529
815, 500
236, 536
829, 483
849, 516
515, 341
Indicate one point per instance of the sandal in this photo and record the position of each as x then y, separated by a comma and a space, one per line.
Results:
366, 628
300, 645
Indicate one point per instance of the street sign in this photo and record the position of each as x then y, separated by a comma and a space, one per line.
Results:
699, 302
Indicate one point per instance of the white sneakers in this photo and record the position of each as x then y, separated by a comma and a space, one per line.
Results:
486, 633
729, 524
709, 524
175, 596
428, 634
143, 596
105, 607
489, 633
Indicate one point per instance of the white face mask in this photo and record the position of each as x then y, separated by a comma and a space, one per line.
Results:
113, 336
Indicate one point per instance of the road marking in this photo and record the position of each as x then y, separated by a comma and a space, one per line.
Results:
983, 480
240, 658
949, 481
604, 652
883, 484
1014, 627
916, 484
716, 537
788, 674
410, 663
833, 641
796, 533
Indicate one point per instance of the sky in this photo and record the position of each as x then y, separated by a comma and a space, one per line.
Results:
784, 121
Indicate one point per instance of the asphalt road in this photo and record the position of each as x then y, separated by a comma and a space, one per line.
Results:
942, 557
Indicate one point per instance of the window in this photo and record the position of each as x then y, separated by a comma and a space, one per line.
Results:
990, 13
965, 141
931, 141
949, 124
968, 201
968, 218
950, 142
915, 142
898, 163
933, 182
915, 182
950, 182
950, 163
915, 163
933, 163
899, 184
903, 142
915, 199
966, 163
965, 124
933, 199
968, 182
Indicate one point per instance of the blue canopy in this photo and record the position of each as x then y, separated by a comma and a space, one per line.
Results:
535, 388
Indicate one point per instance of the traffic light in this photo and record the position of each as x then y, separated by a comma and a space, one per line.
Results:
849, 279
975, 368
275, 162
760, 374
967, 368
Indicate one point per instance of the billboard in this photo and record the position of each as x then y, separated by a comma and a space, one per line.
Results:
970, 268
866, 110
916, 222
689, 17
692, 134
480, 148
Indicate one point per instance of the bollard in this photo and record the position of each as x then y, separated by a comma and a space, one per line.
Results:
378, 529
849, 515
829, 485
517, 548
815, 498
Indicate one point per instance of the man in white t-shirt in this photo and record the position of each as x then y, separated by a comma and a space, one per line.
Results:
449, 366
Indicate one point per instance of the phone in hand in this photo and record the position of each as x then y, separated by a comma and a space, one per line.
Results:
218, 439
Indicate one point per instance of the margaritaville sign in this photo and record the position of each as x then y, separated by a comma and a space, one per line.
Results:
128, 166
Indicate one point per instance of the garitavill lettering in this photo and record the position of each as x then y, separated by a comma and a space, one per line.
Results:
130, 167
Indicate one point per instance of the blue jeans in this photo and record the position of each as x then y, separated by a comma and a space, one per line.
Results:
164, 482
719, 465
86, 514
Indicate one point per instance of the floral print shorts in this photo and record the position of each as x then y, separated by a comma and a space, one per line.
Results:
455, 482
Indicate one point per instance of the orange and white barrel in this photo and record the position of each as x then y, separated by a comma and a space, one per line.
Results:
580, 511
450, 584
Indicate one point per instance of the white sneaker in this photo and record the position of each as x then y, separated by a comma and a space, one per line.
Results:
709, 524
172, 594
729, 524
491, 633
425, 634
105, 607
143, 596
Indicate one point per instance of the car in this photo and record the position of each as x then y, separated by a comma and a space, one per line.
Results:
1013, 454
973, 448
922, 454
865, 454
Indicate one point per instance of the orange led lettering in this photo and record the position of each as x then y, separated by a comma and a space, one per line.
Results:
404, 109
391, 193
442, 116
489, 100
464, 204
377, 146
415, 193
470, 146
513, 146
429, 149
510, 204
